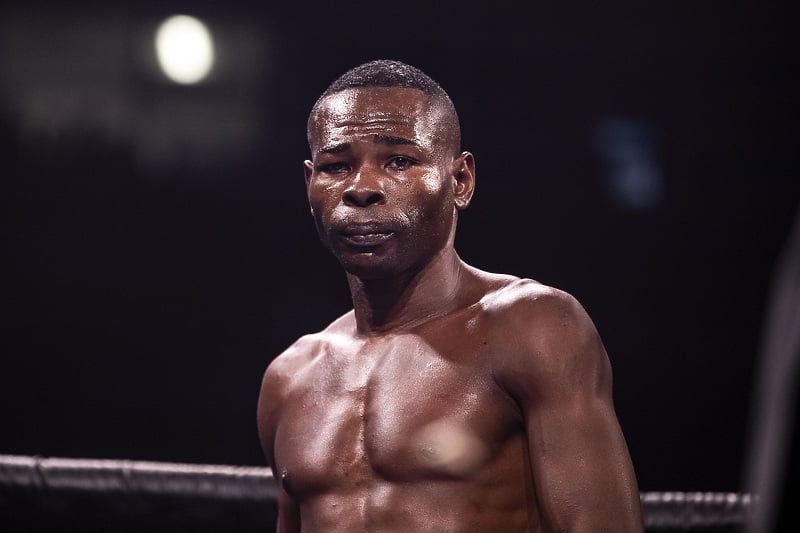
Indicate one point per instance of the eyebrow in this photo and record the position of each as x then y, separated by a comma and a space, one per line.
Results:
388, 139
376, 138
335, 149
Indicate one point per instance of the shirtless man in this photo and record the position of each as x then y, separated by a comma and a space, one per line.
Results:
449, 399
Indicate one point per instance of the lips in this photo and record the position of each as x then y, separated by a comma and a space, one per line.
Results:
365, 235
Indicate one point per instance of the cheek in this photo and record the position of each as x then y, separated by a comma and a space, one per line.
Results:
318, 200
435, 184
431, 208
435, 196
320, 195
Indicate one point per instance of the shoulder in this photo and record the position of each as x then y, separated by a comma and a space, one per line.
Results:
530, 312
287, 364
540, 309
549, 340
290, 364
533, 306
277, 384
287, 371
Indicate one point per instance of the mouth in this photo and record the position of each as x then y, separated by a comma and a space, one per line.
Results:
365, 235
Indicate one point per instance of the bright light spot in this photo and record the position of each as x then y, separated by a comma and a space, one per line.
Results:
185, 49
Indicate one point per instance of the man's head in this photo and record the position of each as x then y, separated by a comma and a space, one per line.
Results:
388, 73
386, 176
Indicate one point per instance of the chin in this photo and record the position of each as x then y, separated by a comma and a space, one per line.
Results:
370, 267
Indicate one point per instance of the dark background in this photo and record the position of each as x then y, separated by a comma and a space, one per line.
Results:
158, 250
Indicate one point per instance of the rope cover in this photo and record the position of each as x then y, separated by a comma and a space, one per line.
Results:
52, 476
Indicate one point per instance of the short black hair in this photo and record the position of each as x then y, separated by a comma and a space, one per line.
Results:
392, 73
386, 73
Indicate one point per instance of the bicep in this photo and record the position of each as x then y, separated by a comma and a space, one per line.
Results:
274, 388
581, 470
268, 403
266, 414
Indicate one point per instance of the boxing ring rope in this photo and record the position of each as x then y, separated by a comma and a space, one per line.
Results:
50, 476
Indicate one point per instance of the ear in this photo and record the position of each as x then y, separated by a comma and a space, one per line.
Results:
463, 179
308, 169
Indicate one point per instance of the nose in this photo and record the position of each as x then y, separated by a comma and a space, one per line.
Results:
365, 189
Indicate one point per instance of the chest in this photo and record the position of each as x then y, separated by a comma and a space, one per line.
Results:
399, 410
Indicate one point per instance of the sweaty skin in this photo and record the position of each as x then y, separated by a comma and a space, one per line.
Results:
449, 399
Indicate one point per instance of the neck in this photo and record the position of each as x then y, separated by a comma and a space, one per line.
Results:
409, 299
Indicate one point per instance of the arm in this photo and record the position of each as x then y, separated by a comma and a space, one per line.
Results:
273, 389
561, 377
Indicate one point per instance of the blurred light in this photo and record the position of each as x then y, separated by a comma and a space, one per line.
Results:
185, 49
634, 179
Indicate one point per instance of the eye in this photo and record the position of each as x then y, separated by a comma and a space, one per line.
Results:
401, 162
331, 168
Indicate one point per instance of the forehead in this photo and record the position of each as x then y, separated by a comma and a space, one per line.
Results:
399, 111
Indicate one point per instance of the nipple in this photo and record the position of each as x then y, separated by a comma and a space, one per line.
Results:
285, 479
447, 445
